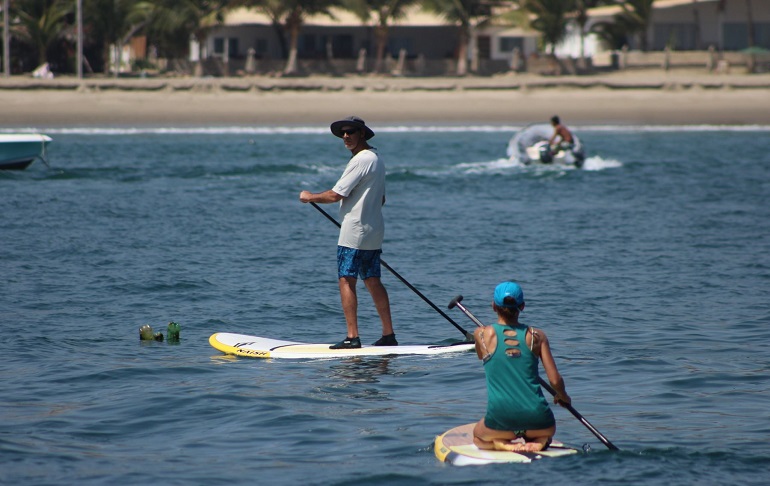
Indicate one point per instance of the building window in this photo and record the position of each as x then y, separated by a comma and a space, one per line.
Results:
395, 44
343, 46
679, 37
736, 35
232, 44
308, 46
260, 47
508, 44
232, 47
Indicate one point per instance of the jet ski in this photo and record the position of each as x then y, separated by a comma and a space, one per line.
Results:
530, 146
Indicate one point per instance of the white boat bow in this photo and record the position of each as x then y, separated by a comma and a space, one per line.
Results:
19, 150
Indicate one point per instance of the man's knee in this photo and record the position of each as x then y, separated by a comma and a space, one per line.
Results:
374, 283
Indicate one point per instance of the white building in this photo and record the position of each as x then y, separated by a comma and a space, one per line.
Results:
420, 34
685, 25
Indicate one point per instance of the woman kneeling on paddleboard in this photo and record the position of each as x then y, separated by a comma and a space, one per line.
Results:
516, 407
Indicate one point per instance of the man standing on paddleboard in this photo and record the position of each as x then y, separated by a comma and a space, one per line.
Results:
361, 192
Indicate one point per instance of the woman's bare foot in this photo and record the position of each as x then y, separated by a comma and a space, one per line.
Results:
534, 446
507, 445
518, 446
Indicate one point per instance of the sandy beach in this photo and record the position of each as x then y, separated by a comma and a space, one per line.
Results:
626, 98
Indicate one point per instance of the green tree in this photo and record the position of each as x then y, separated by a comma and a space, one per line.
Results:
114, 22
613, 34
582, 7
41, 23
174, 22
6, 39
637, 16
385, 11
275, 9
291, 15
549, 17
467, 15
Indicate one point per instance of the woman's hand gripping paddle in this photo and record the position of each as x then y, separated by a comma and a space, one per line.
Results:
456, 303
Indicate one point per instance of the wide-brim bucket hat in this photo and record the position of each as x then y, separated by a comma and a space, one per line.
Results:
351, 121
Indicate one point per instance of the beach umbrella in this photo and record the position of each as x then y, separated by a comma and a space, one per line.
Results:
751, 53
754, 50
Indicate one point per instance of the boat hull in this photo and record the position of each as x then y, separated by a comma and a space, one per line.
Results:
18, 151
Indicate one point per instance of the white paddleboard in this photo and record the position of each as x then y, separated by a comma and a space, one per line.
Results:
456, 447
260, 347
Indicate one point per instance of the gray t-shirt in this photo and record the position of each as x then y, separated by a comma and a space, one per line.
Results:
362, 187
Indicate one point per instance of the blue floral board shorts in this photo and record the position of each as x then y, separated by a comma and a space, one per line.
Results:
354, 263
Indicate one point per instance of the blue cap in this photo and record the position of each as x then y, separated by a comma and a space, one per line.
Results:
508, 289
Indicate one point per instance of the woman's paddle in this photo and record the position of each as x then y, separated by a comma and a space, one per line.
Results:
468, 335
456, 303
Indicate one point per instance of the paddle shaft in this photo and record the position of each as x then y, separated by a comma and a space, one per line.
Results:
468, 336
582, 419
543, 383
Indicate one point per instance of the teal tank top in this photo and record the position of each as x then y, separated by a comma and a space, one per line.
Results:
515, 400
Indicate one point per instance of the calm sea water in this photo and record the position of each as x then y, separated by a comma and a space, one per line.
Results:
649, 270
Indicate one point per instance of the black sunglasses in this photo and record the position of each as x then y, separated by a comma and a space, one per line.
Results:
349, 131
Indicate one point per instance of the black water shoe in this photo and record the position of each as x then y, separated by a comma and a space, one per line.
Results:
389, 340
347, 343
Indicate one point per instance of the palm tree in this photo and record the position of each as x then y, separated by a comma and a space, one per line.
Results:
114, 22
6, 39
275, 9
291, 14
175, 21
582, 7
550, 19
41, 23
614, 34
637, 15
385, 10
467, 15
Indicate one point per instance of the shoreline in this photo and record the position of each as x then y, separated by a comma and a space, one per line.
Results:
626, 98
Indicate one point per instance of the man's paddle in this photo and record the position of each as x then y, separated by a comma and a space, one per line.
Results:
468, 335
456, 303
